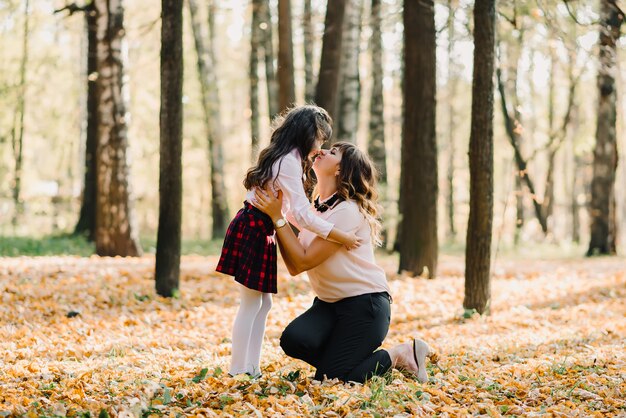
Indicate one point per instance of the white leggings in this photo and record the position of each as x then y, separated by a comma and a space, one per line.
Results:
248, 331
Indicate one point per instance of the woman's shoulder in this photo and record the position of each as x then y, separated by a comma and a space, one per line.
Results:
349, 207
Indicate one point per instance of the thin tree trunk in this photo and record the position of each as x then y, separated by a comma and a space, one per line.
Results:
602, 205
513, 135
514, 53
548, 193
376, 143
268, 49
167, 269
577, 188
479, 227
212, 120
116, 233
286, 83
17, 133
86, 224
328, 81
347, 121
557, 138
418, 182
307, 28
452, 92
255, 37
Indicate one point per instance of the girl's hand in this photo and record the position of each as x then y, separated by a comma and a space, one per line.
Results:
354, 243
267, 203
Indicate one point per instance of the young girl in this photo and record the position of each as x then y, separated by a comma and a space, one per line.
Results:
249, 249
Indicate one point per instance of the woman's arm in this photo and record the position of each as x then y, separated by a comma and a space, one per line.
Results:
296, 257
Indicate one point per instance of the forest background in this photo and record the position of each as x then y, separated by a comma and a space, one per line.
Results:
54, 120
523, 324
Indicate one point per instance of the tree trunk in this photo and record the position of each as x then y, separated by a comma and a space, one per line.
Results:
328, 81
479, 227
577, 188
268, 49
515, 53
167, 269
255, 37
418, 182
86, 224
547, 203
376, 143
17, 132
307, 28
602, 205
212, 119
452, 92
514, 134
116, 233
557, 137
286, 86
347, 121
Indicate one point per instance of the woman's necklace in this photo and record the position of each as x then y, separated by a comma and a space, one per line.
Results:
323, 207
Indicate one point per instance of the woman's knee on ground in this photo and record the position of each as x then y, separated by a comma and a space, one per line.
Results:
297, 342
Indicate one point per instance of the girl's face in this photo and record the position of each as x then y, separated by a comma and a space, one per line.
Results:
317, 146
327, 162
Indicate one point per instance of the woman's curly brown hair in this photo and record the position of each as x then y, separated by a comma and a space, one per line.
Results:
357, 181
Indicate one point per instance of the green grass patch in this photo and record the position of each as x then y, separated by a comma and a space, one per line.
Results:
67, 244
14, 246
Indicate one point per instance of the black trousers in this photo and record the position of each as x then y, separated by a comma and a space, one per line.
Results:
339, 339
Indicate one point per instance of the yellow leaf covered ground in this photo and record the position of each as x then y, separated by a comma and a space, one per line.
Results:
554, 345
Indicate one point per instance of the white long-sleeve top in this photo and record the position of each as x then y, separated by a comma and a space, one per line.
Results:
346, 273
287, 172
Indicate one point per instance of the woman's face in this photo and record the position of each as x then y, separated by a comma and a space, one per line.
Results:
327, 162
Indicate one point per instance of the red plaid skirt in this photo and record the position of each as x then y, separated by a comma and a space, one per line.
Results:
249, 250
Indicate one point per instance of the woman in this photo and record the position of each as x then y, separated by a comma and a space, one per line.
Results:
349, 318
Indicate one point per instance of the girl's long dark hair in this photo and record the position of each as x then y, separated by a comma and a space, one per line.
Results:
297, 128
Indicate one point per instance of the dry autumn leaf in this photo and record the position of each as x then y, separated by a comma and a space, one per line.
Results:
553, 344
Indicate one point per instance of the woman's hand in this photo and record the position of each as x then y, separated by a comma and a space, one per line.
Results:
268, 204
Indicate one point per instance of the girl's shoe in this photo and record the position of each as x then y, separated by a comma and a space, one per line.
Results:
255, 376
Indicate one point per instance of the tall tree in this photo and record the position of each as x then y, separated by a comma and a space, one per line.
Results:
86, 224
479, 227
308, 44
418, 179
347, 122
253, 73
268, 50
376, 141
212, 118
514, 48
514, 134
328, 80
557, 135
602, 205
116, 233
167, 269
17, 131
452, 92
286, 83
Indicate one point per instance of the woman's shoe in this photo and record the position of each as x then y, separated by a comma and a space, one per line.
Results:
421, 350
